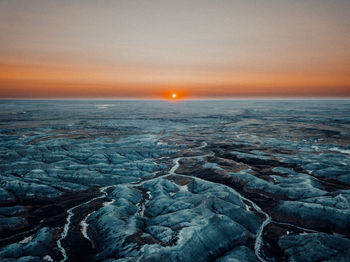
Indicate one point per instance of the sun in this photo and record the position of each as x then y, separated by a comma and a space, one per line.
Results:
172, 95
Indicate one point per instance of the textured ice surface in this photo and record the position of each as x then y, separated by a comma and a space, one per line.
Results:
37, 247
238, 254
316, 247
184, 181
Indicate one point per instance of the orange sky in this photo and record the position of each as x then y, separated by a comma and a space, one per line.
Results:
128, 49
85, 82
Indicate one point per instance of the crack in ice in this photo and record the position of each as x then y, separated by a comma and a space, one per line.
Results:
66, 227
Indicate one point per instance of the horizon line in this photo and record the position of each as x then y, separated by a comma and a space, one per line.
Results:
173, 100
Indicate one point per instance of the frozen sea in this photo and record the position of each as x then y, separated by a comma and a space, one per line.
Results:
228, 180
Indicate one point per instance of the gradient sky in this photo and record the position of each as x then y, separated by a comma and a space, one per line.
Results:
150, 48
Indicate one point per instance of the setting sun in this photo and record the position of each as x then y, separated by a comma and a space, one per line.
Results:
174, 95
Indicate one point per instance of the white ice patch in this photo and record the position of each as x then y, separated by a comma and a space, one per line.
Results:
103, 106
26, 240
48, 258
344, 151
212, 166
183, 188
316, 148
108, 202
84, 226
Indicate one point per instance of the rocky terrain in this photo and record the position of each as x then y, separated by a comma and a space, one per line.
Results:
182, 181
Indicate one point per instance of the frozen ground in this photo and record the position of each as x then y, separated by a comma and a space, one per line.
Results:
182, 181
